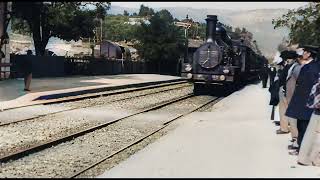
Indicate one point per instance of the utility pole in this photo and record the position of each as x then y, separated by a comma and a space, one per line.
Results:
100, 30
186, 59
186, 26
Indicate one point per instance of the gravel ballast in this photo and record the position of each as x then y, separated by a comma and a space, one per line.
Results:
66, 158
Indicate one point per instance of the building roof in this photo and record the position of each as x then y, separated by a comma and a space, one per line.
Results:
195, 43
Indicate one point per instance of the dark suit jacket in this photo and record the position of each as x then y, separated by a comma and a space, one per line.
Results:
283, 76
308, 76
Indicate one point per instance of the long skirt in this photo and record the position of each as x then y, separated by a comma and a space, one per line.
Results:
310, 145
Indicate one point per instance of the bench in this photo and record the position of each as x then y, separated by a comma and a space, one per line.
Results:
5, 71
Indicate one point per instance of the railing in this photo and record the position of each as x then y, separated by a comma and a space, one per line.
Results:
101, 66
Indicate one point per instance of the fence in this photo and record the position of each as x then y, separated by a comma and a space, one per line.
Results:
42, 66
55, 66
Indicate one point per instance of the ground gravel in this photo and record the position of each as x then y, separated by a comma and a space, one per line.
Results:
66, 158
25, 134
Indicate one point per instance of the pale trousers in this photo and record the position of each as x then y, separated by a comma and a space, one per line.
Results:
286, 123
310, 145
293, 127
283, 105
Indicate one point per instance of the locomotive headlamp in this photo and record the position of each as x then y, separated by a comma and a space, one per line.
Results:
226, 71
222, 77
189, 75
188, 67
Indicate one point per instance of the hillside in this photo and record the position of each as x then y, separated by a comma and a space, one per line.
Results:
256, 21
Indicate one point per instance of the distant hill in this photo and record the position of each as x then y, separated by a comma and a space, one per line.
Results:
256, 21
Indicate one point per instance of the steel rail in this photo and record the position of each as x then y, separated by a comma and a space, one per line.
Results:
38, 147
143, 138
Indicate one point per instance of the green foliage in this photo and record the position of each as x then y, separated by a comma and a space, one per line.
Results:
202, 30
20, 26
116, 28
160, 40
66, 20
145, 11
303, 24
165, 15
125, 13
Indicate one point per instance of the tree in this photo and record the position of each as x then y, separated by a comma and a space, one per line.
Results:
202, 30
303, 24
165, 15
145, 11
65, 20
117, 28
125, 13
160, 40
20, 26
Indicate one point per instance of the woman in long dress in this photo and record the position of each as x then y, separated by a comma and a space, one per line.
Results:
310, 147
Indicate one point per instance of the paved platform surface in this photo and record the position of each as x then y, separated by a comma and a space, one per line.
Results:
12, 94
236, 139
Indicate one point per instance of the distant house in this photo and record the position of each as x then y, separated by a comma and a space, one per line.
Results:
137, 21
193, 45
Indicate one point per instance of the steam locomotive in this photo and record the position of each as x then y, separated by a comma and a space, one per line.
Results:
221, 60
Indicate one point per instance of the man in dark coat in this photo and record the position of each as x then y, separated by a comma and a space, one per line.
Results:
272, 74
264, 73
288, 57
307, 78
27, 68
285, 65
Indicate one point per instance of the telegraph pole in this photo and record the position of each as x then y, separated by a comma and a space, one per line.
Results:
186, 26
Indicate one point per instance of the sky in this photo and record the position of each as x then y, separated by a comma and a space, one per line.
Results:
214, 5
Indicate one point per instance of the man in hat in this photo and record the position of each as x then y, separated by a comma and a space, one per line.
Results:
275, 87
264, 72
27, 68
307, 78
287, 62
291, 79
272, 74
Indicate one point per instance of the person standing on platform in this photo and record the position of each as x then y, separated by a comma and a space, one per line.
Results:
297, 108
264, 73
27, 71
291, 79
275, 87
285, 65
272, 74
310, 149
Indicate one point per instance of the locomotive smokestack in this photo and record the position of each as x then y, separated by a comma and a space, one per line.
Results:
211, 27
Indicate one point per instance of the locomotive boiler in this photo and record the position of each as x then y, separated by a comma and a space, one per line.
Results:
221, 60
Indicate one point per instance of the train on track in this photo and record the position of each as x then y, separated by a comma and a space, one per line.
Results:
222, 60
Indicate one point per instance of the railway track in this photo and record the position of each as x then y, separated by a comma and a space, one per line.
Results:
63, 100
50, 145
167, 123
69, 138
38, 147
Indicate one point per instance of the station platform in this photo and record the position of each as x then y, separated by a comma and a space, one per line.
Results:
12, 94
236, 139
